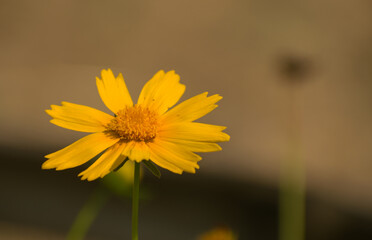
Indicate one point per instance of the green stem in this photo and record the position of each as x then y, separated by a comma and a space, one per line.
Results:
135, 201
87, 214
292, 195
292, 200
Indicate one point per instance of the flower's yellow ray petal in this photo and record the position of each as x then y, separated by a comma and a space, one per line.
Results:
78, 117
113, 91
177, 149
76, 126
162, 91
79, 152
164, 163
193, 108
137, 151
105, 163
195, 146
192, 131
178, 156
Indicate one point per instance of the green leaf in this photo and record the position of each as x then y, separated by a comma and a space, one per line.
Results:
153, 168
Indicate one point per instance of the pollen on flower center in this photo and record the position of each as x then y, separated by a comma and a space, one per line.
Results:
134, 124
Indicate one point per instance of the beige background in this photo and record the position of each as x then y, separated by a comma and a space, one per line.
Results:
51, 51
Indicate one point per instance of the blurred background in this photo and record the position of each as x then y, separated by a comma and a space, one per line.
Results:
296, 81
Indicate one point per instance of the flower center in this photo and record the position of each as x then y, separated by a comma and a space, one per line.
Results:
134, 124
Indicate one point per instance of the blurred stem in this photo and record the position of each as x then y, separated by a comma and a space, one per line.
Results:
135, 201
292, 195
87, 214
292, 200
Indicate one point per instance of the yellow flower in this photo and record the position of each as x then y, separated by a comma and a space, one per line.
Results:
144, 131
220, 233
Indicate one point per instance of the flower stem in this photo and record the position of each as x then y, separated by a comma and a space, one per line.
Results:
292, 189
292, 199
135, 201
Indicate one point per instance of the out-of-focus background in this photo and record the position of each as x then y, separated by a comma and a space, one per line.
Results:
285, 68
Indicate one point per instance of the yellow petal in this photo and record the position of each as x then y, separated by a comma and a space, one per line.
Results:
192, 131
176, 155
137, 151
193, 108
106, 163
78, 117
113, 91
79, 152
162, 91
195, 146
178, 150
164, 163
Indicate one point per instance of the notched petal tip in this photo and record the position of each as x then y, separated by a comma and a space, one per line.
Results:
193, 170
173, 74
86, 177
161, 72
113, 90
49, 112
53, 121
54, 107
225, 136
48, 156
217, 96
50, 165
120, 75
106, 71
221, 127
45, 165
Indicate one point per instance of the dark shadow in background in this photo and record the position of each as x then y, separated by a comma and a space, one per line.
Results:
177, 207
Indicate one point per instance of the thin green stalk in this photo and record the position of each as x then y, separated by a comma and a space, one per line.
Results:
292, 189
135, 201
87, 214
292, 200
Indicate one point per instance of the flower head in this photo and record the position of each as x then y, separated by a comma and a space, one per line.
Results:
148, 130
219, 233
